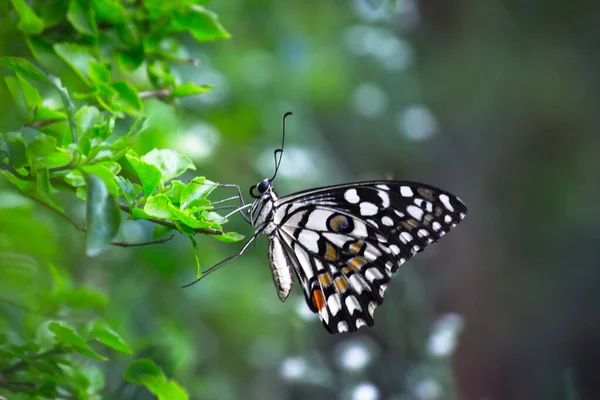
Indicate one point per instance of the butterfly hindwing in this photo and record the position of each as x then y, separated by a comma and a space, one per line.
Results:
347, 241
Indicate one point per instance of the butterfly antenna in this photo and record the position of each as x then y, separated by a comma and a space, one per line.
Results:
279, 151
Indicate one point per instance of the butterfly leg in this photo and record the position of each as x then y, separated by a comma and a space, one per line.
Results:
222, 263
239, 197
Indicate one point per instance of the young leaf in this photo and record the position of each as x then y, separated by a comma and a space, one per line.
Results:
170, 163
102, 171
145, 372
128, 190
67, 335
25, 68
102, 332
81, 298
102, 217
159, 207
229, 237
189, 89
127, 98
38, 144
198, 189
82, 17
199, 22
77, 57
28, 21
149, 174
195, 246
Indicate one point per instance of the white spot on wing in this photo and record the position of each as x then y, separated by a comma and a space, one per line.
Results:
342, 326
351, 196
360, 322
395, 249
367, 208
447, 219
436, 226
384, 187
372, 307
352, 304
415, 211
446, 201
372, 274
317, 220
406, 191
309, 240
387, 221
407, 236
422, 233
356, 283
385, 198
333, 303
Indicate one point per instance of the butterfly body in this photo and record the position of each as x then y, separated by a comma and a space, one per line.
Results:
344, 242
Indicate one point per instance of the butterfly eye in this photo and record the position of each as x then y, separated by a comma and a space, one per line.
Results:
263, 186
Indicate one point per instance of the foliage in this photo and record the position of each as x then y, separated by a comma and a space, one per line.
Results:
79, 142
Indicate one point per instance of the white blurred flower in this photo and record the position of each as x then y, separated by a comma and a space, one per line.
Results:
417, 123
198, 141
369, 100
354, 355
444, 335
427, 389
298, 164
303, 311
293, 368
365, 391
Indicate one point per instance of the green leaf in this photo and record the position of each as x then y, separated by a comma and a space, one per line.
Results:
183, 228
67, 335
25, 68
174, 190
145, 372
99, 72
38, 144
170, 163
82, 17
42, 181
102, 332
17, 155
28, 21
17, 95
198, 269
199, 22
149, 174
102, 216
159, 207
108, 177
127, 190
75, 178
59, 158
32, 96
229, 237
189, 89
79, 58
191, 221
196, 192
160, 231
127, 98
81, 298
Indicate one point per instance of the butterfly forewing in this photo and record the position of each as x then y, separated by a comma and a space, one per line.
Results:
346, 241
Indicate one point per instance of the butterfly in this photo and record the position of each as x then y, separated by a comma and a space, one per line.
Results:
344, 242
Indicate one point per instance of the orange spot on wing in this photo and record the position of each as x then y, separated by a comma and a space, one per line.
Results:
355, 247
325, 279
330, 253
356, 263
341, 284
318, 299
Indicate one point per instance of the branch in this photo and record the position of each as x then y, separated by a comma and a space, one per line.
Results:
79, 227
16, 173
161, 93
15, 367
45, 122
159, 241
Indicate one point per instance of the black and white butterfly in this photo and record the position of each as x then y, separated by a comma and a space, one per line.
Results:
344, 242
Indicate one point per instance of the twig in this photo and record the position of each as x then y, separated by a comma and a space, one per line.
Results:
21, 307
154, 93
79, 227
16, 173
45, 122
20, 364
159, 241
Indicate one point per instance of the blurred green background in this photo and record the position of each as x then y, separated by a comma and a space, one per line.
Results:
495, 101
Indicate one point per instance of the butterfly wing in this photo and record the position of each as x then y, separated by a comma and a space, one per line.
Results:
345, 241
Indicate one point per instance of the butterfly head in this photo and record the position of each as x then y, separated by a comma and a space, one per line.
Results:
261, 188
